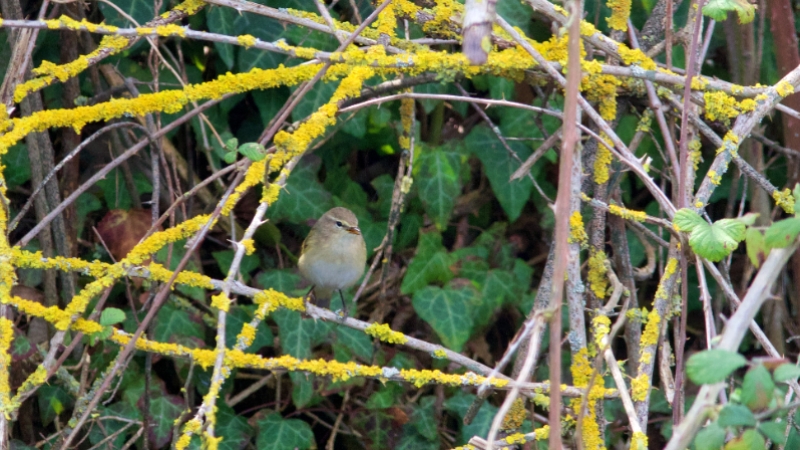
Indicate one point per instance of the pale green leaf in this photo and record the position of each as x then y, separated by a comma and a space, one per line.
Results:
719, 9
713, 366
686, 220
757, 249
757, 388
782, 233
786, 372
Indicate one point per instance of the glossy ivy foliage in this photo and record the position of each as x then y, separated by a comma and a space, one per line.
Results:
756, 411
462, 289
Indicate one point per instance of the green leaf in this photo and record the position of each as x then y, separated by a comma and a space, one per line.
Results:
253, 151
711, 437
713, 366
320, 94
786, 372
436, 177
237, 317
295, 333
498, 165
458, 406
234, 429
355, 340
285, 280
302, 388
164, 409
114, 419
53, 400
224, 259
714, 241
385, 397
423, 419
736, 415
413, 440
277, 433
449, 313
782, 233
17, 165
686, 220
719, 9
178, 326
501, 287
749, 440
112, 316
220, 21
140, 11
269, 102
757, 249
757, 388
774, 431
430, 264
304, 197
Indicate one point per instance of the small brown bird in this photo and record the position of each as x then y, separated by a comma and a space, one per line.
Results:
334, 254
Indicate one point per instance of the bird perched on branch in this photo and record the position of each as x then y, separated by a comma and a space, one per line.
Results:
334, 254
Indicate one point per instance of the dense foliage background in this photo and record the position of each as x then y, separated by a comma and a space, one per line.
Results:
452, 176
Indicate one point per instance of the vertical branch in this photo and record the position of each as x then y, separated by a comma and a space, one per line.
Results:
570, 140
683, 196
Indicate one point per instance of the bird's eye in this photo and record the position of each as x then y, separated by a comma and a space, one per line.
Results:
339, 224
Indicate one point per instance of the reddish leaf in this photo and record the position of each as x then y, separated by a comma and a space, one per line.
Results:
121, 230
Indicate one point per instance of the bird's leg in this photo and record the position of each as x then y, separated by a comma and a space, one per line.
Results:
344, 305
307, 297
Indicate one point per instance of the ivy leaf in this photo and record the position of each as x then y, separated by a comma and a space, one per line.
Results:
141, 11
437, 180
782, 233
713, 366
430, 264
356, 341
304, 197
234, 429
757, 388
499, 165
164, 409
714, 241
237, 317
786, 372
220, 21
281, 280
449, 313
277, 433
294, 332
178, 326
458, 406
423, 419
719, 9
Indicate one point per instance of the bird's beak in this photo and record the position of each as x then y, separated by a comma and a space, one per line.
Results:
354, 230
